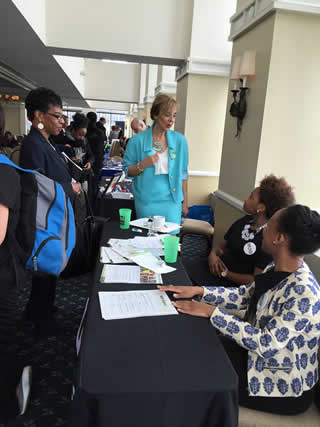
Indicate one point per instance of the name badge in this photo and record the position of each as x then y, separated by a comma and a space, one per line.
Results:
249, 248
263, 301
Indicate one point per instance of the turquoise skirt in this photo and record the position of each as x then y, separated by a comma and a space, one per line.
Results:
160, 202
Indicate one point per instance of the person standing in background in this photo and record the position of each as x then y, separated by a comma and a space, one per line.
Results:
101, 124
138, 125
59, 139
96, 140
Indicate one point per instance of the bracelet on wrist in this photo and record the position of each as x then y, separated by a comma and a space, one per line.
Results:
224, 273
140, 169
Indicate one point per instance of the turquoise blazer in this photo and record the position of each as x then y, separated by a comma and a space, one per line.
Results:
140, 147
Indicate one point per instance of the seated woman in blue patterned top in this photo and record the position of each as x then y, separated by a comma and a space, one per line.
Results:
271, 327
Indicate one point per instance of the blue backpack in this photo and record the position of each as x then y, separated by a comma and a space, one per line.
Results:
46, 230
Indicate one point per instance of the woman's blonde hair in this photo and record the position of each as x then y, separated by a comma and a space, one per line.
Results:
162, 104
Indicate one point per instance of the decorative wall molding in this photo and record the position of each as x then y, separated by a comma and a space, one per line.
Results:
166, 87
233, 201
203, 66
203, 173
148, 99
17, 79
258, 10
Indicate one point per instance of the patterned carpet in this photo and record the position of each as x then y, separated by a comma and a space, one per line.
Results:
53, 359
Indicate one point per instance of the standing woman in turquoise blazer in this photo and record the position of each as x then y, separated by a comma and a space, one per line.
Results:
157, 158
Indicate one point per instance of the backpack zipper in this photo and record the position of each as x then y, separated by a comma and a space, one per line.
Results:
35, 256
51, 204
67, 226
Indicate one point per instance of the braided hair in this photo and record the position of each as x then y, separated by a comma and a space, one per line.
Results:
302, 226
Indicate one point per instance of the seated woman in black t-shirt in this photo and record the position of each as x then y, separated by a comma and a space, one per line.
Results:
239, 257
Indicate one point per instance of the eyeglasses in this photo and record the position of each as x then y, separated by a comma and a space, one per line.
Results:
56, 116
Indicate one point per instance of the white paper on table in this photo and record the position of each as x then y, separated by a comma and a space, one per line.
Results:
120, 274
152, 263
129, 304
152, 242
108, 255
104, 255
166, 228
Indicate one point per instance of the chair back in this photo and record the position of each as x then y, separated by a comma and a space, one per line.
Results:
15, 155
115, 148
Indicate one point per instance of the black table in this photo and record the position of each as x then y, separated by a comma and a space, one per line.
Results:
106, 206
166, 371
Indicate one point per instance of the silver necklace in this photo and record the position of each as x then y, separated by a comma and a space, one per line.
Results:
248, 234
157, 145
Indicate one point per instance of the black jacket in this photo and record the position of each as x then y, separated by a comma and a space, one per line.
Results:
103, 129
37, 153
96, 141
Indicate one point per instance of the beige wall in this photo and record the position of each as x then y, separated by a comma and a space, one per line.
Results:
240, 155
201, 119
206, 106
111, 81
182, 96
290, 143
225, 215
199, 189
15, 118
242, 4
140, 27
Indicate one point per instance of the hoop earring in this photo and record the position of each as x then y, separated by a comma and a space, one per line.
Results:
40, 126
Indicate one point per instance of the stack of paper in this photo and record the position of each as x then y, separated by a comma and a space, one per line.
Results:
129, 304
144, 251
108, 255
128, 274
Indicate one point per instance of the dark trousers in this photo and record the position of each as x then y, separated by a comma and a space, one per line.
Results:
43, 293
10, 372
276, 405
200, 275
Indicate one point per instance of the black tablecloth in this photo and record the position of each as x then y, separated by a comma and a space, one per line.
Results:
165, 371
106, 206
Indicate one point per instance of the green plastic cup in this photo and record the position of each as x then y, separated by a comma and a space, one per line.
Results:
171, 248
125, 216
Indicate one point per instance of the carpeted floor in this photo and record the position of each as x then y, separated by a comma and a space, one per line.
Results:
53, 359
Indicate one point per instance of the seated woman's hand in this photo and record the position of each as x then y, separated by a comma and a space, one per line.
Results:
87, 166
194, 308
149, 161
183, 291
216, 265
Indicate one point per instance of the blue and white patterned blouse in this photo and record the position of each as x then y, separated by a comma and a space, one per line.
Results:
284, 336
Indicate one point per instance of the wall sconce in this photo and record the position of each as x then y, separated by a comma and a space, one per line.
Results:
243, 67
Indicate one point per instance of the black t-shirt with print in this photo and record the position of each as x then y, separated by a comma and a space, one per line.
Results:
10, 197
235, 258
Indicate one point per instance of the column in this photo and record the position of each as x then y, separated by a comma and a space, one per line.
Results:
280, 133
142, 91
202, 89
166, 81
151, 82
